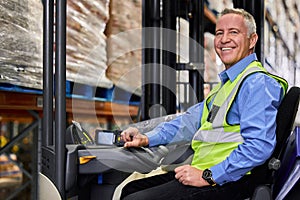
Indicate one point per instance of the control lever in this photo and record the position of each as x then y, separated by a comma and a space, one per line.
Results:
154, 156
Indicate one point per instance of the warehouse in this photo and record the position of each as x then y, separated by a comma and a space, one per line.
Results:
75, 76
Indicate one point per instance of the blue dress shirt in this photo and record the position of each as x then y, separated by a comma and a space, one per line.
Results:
254, 108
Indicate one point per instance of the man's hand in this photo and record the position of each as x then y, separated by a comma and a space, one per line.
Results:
189, 175
133, 138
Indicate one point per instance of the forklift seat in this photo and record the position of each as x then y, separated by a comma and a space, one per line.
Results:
285, 122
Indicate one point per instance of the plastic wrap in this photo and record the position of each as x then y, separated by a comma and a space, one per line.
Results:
21, 31
148, 125
86, 42
21, 42
124, 44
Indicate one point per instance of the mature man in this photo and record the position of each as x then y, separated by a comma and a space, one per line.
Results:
231, 131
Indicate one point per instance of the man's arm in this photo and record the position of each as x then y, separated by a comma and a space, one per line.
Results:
181, 128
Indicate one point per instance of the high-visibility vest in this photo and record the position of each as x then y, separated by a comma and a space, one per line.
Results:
216, 139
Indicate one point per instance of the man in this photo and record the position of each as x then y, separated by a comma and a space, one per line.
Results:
232, 131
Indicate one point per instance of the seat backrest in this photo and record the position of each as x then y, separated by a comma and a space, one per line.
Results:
285, 120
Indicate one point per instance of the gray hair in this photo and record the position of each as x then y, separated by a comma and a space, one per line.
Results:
248, 18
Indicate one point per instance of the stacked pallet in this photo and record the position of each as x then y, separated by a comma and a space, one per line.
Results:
86, 42
21, 32
124, 44
21, 42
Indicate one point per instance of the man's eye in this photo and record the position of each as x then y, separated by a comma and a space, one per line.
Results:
218, 33
233, 32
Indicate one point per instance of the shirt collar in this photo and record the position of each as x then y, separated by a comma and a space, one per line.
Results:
237, 68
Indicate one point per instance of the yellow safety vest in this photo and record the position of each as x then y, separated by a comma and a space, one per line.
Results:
216, 139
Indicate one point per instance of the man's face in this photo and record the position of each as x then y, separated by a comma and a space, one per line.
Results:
231, 41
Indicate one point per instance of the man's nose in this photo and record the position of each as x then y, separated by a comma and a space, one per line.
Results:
225, 38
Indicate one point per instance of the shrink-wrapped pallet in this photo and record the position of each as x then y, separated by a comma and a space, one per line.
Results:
21, 26
21, 42
124, 44
86, 42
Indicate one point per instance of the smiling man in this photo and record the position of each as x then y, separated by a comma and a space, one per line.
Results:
235, 37
231, 131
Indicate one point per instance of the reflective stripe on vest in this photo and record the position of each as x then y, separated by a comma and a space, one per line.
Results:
218, 136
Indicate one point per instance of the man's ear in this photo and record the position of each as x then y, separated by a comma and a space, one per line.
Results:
253, 40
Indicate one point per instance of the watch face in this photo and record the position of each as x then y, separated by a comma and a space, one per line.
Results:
207, 174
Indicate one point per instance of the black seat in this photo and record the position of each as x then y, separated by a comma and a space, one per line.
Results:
285, 118
285, 122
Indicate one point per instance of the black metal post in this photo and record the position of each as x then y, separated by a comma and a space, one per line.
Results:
60, 95
169, 56
150, 59
47, 137
47, 148
257, 9
196, 51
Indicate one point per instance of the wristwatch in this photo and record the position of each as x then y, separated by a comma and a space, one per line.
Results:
207, 175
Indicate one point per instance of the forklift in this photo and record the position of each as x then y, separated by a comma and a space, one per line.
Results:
76, 166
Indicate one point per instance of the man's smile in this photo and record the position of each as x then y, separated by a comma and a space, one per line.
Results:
226, 49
